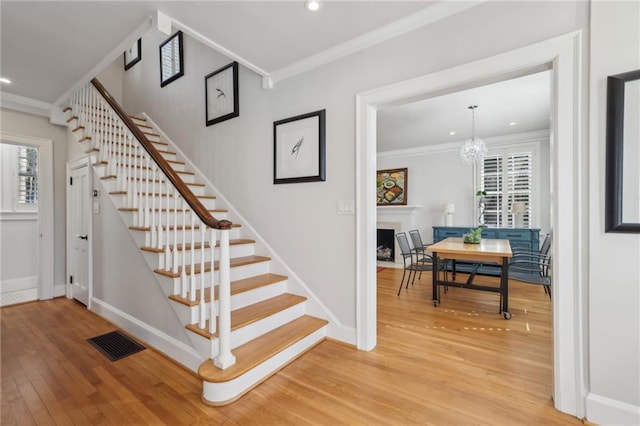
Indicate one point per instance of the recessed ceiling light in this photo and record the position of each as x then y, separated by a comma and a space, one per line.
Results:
312, 5
513, 123
5, 80
452, 132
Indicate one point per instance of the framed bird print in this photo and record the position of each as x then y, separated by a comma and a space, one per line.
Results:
221, 94
133, 55
299, 148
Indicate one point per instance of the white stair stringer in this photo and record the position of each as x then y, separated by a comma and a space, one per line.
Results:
223, 392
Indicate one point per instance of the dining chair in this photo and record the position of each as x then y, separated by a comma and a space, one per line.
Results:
533, 267
411, 266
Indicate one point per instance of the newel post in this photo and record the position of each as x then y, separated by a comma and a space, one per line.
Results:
225, 358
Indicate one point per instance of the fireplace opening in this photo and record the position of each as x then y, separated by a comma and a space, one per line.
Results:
386, 245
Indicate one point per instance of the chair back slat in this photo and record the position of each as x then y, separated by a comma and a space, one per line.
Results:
403, 242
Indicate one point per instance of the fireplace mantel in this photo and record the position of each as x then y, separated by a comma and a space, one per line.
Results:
397, 209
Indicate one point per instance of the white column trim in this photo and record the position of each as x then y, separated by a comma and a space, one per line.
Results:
562, 55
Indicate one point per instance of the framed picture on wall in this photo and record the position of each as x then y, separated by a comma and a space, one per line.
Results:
299, 148
391, 187
133, 55
171, 59
221, 94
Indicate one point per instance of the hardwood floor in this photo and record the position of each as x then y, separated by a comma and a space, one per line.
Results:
457, 364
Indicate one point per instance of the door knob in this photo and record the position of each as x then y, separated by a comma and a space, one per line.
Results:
83, 237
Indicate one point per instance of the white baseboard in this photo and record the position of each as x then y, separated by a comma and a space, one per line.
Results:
18, 284
20, 296
606, 411
59, 290
174, 349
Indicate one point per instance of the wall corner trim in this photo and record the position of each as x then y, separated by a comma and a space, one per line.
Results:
24, 104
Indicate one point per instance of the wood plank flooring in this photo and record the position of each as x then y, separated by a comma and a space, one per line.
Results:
457, 364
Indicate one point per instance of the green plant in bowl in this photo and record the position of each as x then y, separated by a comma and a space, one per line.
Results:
473, 236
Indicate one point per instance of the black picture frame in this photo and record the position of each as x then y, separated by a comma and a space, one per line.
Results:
133, 55
299, 148
222, 94
615, 142
171, 51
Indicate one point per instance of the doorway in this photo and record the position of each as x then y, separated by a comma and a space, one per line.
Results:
561, 55
79, 231
43, 245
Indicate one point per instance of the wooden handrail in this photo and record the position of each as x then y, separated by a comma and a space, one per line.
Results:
193, 201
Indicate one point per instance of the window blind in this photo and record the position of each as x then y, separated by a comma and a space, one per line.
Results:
27, 175
507, 178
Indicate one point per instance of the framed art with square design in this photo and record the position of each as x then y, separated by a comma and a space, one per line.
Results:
221, 94
299, 148
391, 187
171, 59
133, 55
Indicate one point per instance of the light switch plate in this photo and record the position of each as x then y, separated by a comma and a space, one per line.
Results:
346, 207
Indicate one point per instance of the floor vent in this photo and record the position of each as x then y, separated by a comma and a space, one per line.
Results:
115, 345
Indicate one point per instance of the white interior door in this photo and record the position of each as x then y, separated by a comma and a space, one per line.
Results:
79, 219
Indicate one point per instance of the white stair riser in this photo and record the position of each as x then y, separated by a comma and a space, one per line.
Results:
242, 335
191, 314
237, 273
228, 391
155, 260
142, 239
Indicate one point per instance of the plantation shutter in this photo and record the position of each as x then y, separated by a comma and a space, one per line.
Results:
506, 178
519, 184
491, 183
27, 175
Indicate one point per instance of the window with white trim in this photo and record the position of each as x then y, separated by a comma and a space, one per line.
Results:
27, 182
507, 177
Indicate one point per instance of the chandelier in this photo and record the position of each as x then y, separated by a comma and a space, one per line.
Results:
473, 150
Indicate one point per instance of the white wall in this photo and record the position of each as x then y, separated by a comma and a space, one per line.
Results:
32, 125
236, 155
111, 78
614, 259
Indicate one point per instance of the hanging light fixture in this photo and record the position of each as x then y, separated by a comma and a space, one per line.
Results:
473, 150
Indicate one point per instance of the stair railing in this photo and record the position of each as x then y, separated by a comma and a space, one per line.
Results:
149, 186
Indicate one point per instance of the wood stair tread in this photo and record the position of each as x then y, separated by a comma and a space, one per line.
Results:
235, 262
258, 350
237, 287
253, 313
198, 246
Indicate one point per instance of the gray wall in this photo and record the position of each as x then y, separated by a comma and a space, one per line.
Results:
300, 221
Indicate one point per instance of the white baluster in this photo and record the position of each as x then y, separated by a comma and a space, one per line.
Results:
183, 276
225, 358
176, 197
203, 312
212, 308
192, 288
147, 216
167, 250
154, 229
129, 171
163, 202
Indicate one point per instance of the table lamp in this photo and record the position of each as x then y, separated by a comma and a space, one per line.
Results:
448, 210
518, 209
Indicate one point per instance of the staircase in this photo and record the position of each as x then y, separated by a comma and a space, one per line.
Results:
254, 326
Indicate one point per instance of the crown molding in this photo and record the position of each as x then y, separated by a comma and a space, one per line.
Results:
426, 16
24, 104
495, 142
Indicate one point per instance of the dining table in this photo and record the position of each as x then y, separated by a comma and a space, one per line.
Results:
488, 251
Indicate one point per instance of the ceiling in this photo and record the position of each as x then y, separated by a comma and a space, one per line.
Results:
524, 101
46, 47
